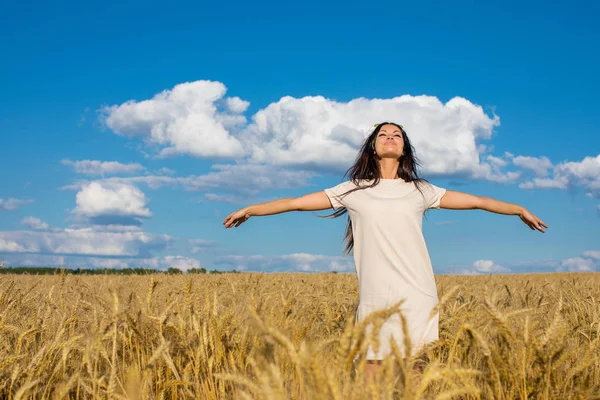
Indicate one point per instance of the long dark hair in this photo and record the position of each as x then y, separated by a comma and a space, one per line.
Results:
367, 167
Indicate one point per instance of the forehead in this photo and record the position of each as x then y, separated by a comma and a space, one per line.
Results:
389, 128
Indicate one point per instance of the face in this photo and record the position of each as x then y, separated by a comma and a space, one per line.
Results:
389, 142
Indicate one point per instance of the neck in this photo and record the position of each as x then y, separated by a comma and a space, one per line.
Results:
388, 168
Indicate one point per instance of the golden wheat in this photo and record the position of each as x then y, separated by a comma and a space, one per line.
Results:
292, 336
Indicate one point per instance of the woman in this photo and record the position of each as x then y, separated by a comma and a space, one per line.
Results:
386, 200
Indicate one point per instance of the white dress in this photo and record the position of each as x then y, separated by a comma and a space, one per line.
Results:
391, 257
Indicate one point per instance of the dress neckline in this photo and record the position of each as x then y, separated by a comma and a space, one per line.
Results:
381, 180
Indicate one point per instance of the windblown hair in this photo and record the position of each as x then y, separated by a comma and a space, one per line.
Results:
366, 167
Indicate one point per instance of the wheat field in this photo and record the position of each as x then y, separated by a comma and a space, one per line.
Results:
291, 336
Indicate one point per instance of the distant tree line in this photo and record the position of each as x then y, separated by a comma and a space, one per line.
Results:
105, 271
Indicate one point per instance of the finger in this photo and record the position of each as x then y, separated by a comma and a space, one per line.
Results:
540, 224
540, 228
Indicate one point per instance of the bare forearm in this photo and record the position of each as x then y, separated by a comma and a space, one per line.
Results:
272, 207
499, 207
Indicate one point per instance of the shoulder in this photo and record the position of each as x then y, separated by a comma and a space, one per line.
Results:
342, 187
432, 194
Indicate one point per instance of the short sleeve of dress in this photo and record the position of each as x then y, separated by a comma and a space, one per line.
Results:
334, 194
433, 194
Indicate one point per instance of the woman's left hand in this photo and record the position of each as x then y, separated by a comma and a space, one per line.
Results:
532, 221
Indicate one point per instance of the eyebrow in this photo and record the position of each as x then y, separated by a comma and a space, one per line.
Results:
392, 132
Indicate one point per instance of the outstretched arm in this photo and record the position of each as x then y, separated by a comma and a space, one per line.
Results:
309, 202
454, 200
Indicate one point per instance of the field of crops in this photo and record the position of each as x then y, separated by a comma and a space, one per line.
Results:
279, 336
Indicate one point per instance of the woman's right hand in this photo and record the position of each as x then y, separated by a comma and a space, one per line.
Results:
236, 218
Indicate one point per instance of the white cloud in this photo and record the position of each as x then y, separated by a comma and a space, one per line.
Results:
12, 203
544, 183
315, 131
237, 105
578, 264
587, 261
567, 175
483, 267
111, 202
246, 179
95, 167
83, 241
496, 161
192, 118
7, 245
539, 165
288, 263
594, 254
488, 266
108, 228
34, 223
312, 132
490, 173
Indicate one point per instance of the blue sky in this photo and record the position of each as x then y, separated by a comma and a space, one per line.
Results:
130, 130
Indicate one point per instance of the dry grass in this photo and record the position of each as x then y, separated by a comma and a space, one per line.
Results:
279, 336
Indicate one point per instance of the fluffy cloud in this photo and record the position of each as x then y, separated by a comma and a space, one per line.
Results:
316, 131
111, 202
9, 246
287, 263
496, 161
593, 254
312, 132
539, 165
34, 223
192, 118
94, 167
568, 175
577, 264
484, 267
12, 203
588, 261
83, 241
